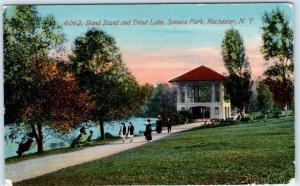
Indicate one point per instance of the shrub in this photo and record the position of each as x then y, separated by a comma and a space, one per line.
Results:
260, 117
277, 114
180, 117
245, 119
108, 135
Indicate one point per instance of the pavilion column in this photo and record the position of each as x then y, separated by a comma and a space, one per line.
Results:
186, 94
221, 110
178, 93
213, 99
213, 90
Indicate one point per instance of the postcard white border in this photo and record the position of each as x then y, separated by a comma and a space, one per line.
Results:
296, 57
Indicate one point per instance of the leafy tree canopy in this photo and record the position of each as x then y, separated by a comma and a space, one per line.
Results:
277, 37
264, 97
97, 63
28, 37
239, 81
233, 53
277, 48
36, 92
162, 101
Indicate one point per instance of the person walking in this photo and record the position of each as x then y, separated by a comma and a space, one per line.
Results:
169, 125
122, 131
148, 131
159, 124
130, 132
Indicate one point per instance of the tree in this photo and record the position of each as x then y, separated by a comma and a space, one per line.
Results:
27, 39
277, 48
36, 92
264, 97
99, 69
239, 81
162, 101
60, 103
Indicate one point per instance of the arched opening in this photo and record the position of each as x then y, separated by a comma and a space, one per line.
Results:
201, 112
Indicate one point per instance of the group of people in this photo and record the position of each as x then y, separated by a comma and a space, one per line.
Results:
148, 130
160, 123
84, 137
126, 133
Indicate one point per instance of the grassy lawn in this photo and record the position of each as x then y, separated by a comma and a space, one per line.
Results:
260, 152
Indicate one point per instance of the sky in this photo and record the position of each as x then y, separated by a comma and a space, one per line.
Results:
157, 53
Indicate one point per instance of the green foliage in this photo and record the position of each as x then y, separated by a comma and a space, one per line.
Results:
97, 52
264, 97
239, 81
260, 152
28, 38
245, 119
233, 52
37, 91
162, 101
277, 113
282, 87
273, 114
259, 117
277, 48
239, 90
99, 69
184, 116
277, 36
180, 117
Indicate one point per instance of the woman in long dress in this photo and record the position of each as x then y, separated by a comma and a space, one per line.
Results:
122, 131
159, 125
148, 131
130, 131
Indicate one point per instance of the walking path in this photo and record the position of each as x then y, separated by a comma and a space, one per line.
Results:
39, 166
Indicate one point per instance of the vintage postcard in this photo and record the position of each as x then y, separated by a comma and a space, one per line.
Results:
149, 94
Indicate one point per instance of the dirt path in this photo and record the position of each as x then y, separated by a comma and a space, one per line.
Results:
39, 166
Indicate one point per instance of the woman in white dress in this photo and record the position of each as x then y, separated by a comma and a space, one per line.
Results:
122, 131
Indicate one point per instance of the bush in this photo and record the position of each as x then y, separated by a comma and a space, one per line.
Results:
260, 117
277, 114
181, 117
186, 116
177, 119
108, 135
245, 119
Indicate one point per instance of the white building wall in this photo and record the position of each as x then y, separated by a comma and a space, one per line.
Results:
189, 104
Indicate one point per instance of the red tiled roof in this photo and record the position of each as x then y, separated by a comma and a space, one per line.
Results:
201, 73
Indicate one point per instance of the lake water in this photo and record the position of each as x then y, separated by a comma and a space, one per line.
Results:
52, 142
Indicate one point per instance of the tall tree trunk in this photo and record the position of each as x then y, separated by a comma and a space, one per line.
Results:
38, 134
101, 123
285, 87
